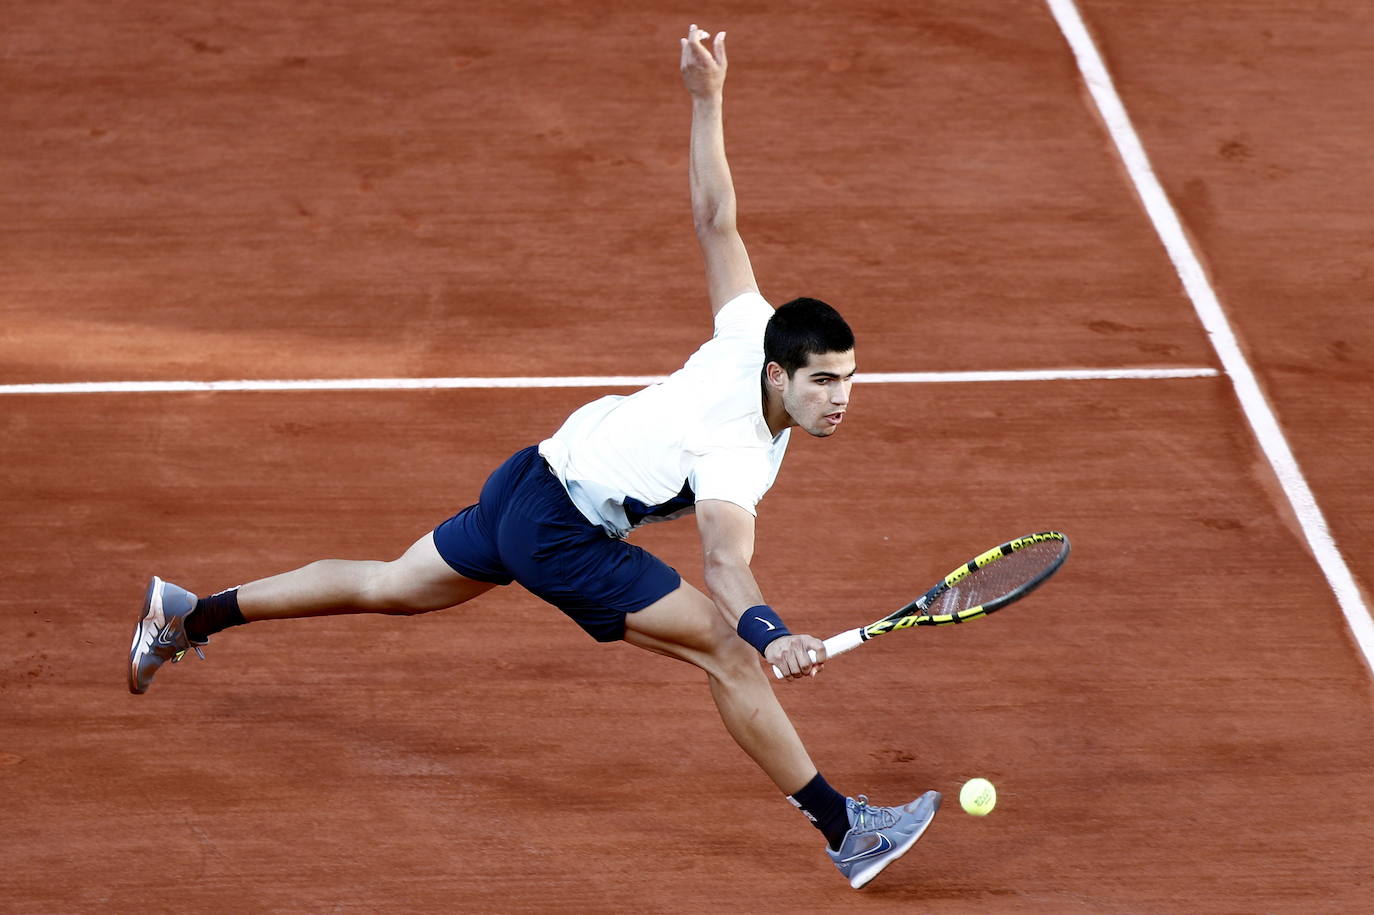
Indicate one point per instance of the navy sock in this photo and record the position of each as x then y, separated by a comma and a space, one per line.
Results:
825, 808
214, 614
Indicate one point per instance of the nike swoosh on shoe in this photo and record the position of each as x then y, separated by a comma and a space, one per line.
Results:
883, 845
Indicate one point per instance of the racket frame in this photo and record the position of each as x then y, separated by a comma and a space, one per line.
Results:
913, 614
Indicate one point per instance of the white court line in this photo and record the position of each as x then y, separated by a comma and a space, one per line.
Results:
1257, 410
1032, 375
574, 381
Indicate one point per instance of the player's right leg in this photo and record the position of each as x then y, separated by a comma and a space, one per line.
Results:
862, 839
686, 625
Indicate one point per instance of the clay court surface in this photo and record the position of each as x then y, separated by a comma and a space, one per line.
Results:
1180, 722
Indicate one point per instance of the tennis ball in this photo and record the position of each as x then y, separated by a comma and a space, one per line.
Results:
978, 797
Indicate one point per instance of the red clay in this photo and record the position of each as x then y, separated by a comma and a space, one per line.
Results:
1177, 723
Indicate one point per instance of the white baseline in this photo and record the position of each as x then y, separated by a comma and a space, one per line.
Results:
570, 381
1257, 410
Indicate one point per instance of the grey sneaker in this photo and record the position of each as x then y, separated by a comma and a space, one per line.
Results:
880, 835
160, 633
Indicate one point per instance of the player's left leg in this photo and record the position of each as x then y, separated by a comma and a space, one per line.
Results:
175, 621
418, 582
452, 564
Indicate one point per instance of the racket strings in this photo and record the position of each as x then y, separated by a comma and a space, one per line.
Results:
997, 579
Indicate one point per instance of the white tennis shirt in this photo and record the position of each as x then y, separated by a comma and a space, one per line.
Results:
699, 434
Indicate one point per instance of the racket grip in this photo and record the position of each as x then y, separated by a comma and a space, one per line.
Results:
836, 644
845, 641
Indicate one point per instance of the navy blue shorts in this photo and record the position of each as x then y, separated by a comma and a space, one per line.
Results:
525, 528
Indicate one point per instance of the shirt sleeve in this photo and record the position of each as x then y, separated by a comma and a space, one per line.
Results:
746, 315
737, 476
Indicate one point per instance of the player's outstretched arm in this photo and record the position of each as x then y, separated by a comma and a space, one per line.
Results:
728, 271
727, 541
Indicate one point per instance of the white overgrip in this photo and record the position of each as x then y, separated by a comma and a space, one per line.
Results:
845, 641
836, 644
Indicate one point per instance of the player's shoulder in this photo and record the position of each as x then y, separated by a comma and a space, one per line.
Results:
747, 311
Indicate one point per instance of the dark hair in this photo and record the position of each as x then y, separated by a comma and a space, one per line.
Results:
802, 328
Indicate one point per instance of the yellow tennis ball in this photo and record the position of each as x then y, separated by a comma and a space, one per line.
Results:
978, 797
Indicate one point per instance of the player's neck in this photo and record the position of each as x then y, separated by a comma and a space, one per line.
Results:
774, 412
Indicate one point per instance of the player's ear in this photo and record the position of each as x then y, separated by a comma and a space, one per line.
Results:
776, 375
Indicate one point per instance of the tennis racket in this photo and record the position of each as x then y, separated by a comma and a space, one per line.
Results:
986, 583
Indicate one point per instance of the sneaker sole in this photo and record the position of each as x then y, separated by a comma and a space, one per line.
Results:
154, 593
859, 881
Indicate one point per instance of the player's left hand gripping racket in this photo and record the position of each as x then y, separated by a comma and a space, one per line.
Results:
987, 582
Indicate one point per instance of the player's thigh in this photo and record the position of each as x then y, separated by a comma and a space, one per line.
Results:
420, 580
687, 625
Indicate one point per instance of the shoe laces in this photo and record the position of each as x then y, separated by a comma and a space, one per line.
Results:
181, 654
871, 819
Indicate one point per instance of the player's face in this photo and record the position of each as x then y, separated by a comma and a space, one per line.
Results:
817, 394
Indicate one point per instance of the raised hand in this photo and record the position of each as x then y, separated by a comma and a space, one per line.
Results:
703, 70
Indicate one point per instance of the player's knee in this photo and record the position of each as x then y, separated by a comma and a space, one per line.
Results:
711, 644
732, 658
691, 629
743, 660
711, 634
386, 590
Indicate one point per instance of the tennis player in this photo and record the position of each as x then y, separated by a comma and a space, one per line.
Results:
555, 517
